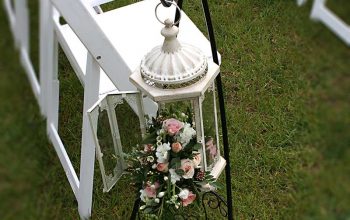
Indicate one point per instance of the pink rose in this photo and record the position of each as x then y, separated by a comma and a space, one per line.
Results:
172, 126
188, 167
197, 160
151, 190
176, 147
211, 147
190, 198
162, 167
148, 148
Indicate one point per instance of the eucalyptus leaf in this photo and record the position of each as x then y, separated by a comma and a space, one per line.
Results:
179, 172
150, 139
175, 163
197, 146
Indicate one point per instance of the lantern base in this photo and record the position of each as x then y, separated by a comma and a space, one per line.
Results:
219, 166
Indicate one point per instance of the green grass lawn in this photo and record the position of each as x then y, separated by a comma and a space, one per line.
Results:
287, 90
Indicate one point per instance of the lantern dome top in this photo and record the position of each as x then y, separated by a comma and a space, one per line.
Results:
173, 64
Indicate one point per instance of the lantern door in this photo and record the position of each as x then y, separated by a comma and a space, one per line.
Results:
118, 124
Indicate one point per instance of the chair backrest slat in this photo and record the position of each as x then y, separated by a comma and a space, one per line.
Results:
74, 12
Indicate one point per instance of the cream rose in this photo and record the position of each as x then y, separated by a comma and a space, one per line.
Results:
197, 160
188, 167
187, 197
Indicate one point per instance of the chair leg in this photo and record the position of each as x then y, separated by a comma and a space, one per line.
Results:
91, 95
45, 22
49, 68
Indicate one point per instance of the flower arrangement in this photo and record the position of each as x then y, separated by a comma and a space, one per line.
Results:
167, 169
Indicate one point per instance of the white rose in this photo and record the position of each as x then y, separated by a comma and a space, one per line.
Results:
143, 195
184, 194
187, 134
162, 153
174, 176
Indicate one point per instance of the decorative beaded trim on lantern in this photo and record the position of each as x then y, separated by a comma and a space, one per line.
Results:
176, 86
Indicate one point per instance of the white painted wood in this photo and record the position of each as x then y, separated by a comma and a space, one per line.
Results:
49, 68
18, 8
64, 159
74, 50
24, 27
10, 15
321, 13
98, 2
91, 95
27, 65
21, 27
76, 53
19, 24
48, 52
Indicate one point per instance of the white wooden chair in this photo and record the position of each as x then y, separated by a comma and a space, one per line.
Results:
103, 48
321, 13
18, 16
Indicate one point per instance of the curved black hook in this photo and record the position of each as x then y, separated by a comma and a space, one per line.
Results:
166, 3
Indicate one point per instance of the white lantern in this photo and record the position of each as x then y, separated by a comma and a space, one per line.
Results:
178, 72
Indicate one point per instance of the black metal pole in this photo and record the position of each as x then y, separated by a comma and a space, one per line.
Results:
177, 15
222, 110
135, 209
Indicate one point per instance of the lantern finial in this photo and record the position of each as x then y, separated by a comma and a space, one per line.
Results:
170, 31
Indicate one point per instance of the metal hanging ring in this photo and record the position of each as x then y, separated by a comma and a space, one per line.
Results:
171, 3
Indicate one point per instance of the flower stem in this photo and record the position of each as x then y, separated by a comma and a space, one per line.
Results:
160, 213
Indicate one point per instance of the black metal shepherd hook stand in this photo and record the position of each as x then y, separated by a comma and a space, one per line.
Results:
221, 104
213, 200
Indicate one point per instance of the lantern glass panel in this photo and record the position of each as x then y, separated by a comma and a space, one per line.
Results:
129, 124
184, 106
210, 124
